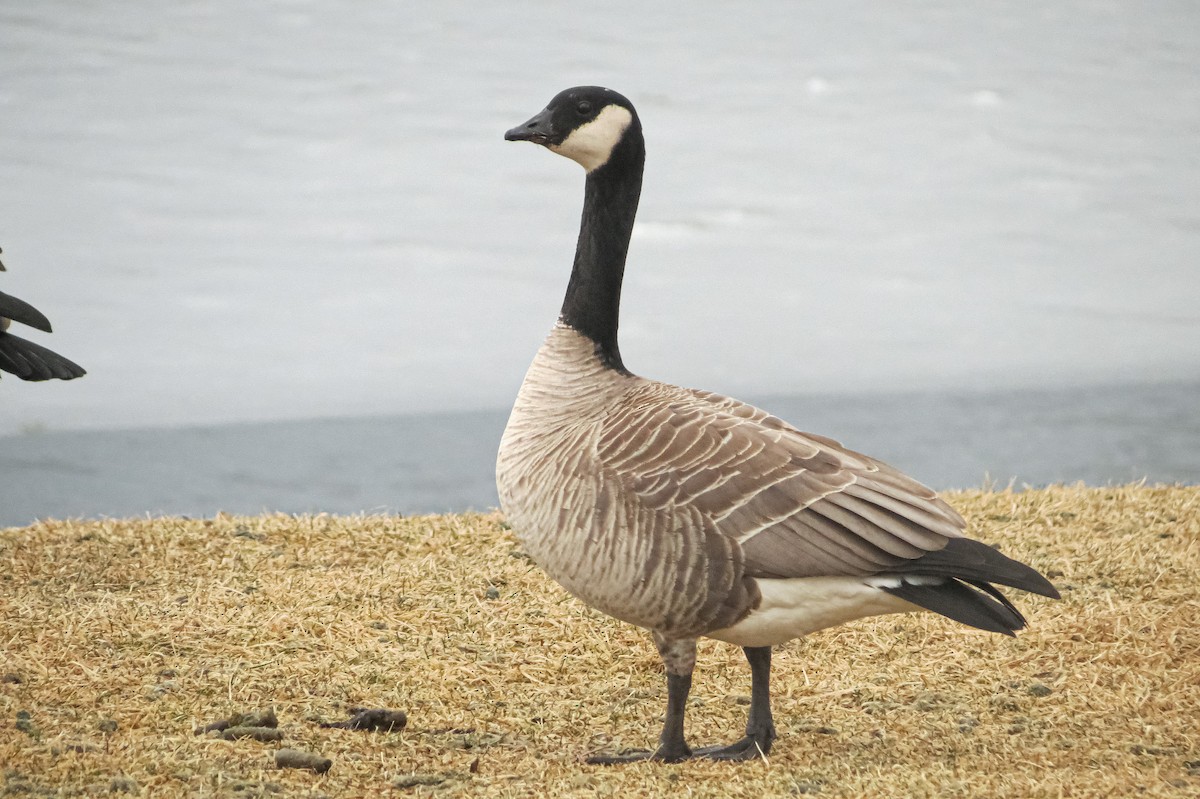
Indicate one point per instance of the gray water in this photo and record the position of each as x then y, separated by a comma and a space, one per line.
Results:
444, 462
244, 215
293, 209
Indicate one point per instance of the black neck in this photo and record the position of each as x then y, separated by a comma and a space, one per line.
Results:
593, 302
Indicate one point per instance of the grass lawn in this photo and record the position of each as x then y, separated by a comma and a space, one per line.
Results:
119, 638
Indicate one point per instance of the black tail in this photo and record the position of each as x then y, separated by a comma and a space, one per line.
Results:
966, 594
30, 361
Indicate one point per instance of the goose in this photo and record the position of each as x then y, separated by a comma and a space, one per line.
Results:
692, 514
23, 358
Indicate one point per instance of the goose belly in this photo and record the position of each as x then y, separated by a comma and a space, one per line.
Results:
560, 505
794, 607
597, 559
661, 568
648, 567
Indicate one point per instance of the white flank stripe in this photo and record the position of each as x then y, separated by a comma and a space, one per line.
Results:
792, 608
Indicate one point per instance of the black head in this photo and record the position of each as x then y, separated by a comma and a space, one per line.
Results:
585, 124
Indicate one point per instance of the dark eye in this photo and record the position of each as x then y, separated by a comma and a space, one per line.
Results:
584, 108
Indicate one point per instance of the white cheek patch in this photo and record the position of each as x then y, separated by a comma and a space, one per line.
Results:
593, 143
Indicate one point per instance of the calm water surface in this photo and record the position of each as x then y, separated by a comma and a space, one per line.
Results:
297, 209
261, 214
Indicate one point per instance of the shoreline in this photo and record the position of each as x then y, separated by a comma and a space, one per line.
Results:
427, 463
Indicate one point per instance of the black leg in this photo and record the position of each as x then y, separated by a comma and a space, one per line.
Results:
680, 659
760, 728
672, 747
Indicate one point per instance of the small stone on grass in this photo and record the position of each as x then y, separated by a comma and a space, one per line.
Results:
371, 719
413, 780
294, 758
255, 718
264, 734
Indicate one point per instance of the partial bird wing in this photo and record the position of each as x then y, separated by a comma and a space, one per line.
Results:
798, 504
21, 311
30, 361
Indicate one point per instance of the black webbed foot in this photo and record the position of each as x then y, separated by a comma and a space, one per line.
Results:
672, 748
663, 754
748, 748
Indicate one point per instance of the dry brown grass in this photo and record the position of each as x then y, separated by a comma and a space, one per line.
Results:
166, 624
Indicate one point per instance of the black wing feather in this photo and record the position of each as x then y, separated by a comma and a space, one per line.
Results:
975, 561
21, 311
30, 361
